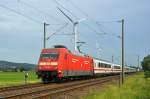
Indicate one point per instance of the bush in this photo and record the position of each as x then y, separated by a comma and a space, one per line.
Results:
147, 74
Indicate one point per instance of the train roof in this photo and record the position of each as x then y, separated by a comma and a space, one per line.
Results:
47, 50
62, 48
101, 59
59, 46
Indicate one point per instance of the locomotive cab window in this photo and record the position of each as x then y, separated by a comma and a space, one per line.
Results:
52, 55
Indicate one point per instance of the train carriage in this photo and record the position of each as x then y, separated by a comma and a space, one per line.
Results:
101, 66
116, 68
58, 63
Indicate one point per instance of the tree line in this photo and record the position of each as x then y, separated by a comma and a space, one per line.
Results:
146, 65
16, 67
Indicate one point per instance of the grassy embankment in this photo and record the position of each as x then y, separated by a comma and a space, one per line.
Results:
135, 87
16, 78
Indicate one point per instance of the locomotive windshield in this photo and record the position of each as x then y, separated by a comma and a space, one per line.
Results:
52, 55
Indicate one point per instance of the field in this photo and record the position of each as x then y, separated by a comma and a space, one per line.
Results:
135, 87
16, 78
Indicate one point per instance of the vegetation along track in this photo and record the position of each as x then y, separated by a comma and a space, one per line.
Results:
52, 89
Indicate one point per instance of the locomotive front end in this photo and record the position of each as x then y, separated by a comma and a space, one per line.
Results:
48, 65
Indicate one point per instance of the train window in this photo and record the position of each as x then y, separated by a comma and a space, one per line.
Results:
108, 66
99, 65
52, 55
117, 67
103, 65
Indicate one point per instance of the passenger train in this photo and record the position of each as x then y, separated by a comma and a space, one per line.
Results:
59, 63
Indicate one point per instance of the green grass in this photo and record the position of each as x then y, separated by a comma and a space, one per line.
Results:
135, 87
16, 78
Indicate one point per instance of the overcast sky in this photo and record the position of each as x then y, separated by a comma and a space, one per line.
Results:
21, 28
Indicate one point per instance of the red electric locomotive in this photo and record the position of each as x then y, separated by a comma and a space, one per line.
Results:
58, 62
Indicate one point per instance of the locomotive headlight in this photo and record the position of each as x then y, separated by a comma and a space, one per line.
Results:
59, 71
42, 63
54, 63
48, 63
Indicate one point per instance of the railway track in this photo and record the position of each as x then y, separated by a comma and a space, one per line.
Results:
19, 87
46, 91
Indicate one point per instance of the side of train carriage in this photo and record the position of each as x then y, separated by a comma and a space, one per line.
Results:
106, 67
58, 62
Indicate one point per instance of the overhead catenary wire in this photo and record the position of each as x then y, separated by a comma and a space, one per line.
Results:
29, 17
57, 31
40, 11
59, 4
87, 25
91, 28
109, 21
89, 17
21, 14
99, 23
112, 34
43, 12
80, 10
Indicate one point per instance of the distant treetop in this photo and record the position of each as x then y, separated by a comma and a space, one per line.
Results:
146, 63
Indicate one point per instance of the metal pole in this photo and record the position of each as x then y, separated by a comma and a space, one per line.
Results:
44, 41
122, 51
138, 63
75, 36
119, 79
44, 45
112, 59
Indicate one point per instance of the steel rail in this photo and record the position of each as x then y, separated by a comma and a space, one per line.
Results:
2, 89
44, 92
